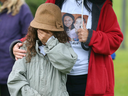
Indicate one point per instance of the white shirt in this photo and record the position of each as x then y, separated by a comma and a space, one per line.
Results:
71, 7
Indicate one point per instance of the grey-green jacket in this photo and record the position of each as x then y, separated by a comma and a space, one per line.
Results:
44, 75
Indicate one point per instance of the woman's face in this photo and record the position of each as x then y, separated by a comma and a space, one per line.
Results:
68, 21
44, 35
78, 23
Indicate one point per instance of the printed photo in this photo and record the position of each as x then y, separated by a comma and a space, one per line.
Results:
72, 22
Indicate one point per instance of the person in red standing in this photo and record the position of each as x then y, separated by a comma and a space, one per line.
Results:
15, 17
93, 72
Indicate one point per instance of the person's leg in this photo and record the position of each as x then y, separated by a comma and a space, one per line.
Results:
4, 90
76, 85
69, 85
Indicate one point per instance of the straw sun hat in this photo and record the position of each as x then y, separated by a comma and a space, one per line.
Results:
48, 17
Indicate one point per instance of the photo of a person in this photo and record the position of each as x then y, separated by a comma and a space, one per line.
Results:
77, 25
68, 21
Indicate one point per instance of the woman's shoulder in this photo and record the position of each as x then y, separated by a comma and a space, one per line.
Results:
25, 8
24, 46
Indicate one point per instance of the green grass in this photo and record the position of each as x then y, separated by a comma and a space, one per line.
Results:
121, 61
121, 73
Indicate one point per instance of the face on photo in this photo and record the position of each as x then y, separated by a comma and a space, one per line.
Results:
68, 21
78, 23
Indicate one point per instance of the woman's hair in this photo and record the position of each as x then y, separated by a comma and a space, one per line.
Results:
12, 6
60, 3
81, 18
97, 1
32, 37
70, 15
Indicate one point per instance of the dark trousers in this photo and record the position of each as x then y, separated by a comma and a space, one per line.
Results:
76, 85
4, 90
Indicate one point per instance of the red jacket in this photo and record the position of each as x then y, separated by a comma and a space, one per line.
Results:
104, 39
103, 42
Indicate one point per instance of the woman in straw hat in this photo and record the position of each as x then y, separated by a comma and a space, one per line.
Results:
93, 72
15, 17
48, 59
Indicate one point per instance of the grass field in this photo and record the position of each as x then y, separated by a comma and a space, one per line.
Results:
121, 61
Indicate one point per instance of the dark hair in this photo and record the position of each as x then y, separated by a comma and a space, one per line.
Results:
60, 3
32, 37
97, 1
70, 15
81, 17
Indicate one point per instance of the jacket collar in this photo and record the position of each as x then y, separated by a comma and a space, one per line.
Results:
96, 11
37, 48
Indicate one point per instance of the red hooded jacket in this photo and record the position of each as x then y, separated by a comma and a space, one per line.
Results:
104, 38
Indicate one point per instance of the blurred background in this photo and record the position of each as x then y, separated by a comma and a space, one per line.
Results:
121, 61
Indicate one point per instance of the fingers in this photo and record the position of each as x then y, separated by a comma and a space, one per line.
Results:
83, 25
44, 35
81, 37
83, 34
80, 32
19, 44
16, 58
18, 53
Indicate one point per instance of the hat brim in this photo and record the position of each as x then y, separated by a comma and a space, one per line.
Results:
44, 26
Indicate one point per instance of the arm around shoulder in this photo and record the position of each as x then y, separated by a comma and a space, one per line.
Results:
11, 48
